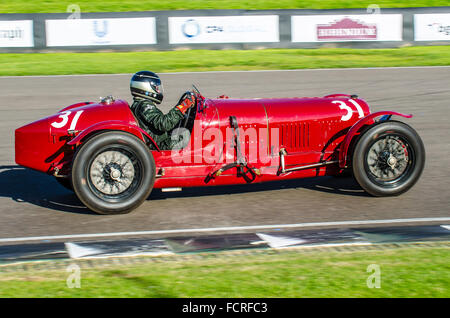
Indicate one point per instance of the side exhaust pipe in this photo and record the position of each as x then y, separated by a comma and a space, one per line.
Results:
283, 169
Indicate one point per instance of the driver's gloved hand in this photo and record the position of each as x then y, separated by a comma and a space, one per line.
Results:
185, 105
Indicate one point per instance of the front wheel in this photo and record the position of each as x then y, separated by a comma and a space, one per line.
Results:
388, 159
113, 173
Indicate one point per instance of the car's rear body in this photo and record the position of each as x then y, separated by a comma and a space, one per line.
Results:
42, 145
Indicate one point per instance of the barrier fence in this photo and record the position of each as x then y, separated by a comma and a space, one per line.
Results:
224, 29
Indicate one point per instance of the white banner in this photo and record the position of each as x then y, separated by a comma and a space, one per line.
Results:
338, 28
17, 33
432, 27
223, 29
86, 32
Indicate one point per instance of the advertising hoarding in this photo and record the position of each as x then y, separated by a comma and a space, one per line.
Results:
339, 28
16, 33
223, 29
87, 32
432, 27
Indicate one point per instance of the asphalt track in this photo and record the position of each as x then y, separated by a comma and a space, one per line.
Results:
33, 204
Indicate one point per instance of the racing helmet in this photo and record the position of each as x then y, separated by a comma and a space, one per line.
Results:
147, 85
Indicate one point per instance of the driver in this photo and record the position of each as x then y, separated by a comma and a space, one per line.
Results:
147, 91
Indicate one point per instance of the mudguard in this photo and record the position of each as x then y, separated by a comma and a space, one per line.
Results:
113, 125
367, 120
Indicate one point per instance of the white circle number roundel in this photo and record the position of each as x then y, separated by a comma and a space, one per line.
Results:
348, 109
65, 119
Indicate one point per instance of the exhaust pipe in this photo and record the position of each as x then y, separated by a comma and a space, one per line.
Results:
283, 169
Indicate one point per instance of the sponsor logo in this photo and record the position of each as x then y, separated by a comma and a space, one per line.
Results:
190, 28
440, 28
214, 28
100, 33
346, 29
12, 34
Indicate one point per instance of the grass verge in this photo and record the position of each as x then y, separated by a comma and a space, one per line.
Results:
218, 60
405, 272
40, 6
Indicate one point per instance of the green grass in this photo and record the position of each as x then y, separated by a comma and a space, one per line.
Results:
39, 6
218, 60
405, 272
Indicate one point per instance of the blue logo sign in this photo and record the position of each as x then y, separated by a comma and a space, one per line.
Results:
103, 32
190, 28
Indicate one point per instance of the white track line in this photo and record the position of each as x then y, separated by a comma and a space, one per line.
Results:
224, 229
249, 71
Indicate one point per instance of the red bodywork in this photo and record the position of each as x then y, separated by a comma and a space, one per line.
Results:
312, 131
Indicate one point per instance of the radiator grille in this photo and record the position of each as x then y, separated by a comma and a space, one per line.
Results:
294, 136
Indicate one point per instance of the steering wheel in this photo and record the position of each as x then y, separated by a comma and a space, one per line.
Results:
193, 99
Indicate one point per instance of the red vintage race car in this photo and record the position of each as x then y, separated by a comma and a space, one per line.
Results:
100, 151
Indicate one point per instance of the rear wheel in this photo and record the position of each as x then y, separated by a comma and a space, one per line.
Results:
113, 173
388, 159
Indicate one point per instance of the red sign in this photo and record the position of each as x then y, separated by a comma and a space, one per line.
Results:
346, 29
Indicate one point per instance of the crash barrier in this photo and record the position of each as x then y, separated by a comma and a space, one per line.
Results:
370, 27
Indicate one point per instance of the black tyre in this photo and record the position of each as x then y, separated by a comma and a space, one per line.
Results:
388, 159
113, 173
65, 182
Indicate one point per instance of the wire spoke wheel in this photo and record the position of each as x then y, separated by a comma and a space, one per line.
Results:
388, 159
113, 173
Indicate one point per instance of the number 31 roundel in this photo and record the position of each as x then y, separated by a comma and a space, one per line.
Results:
348, 109
65, 119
